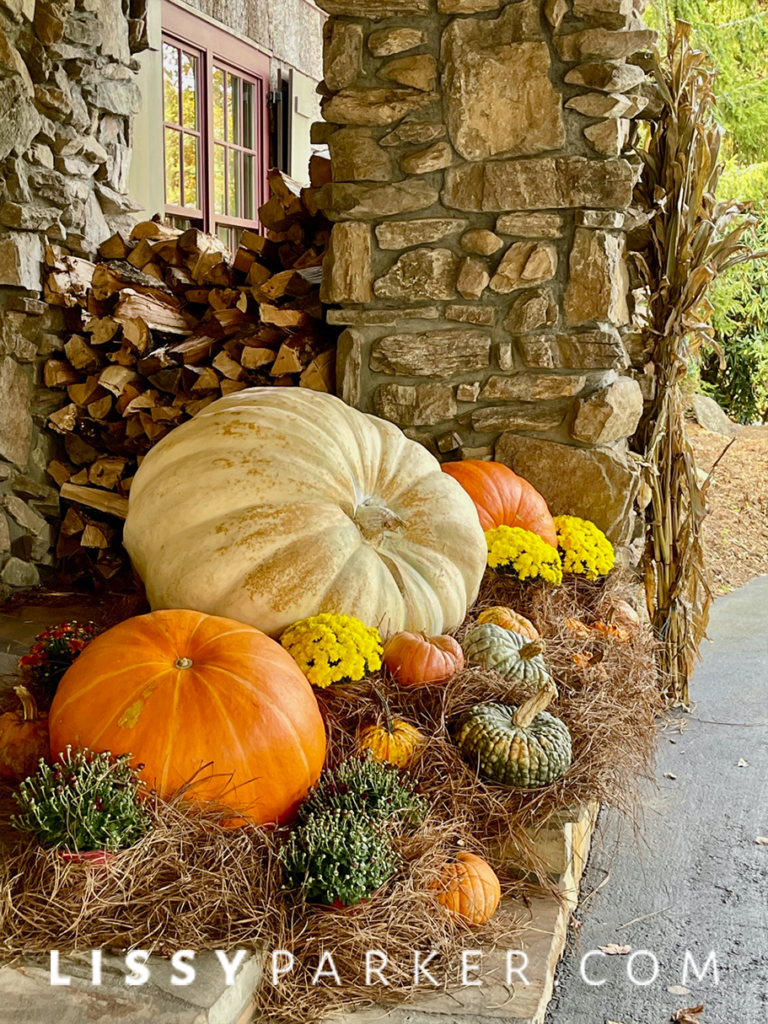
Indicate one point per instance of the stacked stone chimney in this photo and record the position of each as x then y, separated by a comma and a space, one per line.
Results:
481, 178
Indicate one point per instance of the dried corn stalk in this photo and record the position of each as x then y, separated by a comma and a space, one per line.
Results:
690, 239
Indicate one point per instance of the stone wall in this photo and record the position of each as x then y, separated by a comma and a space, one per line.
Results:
481, 178
67, 100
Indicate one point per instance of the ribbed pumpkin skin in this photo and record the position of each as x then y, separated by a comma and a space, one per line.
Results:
22, 744
395, 745
275, 504
502, 498
469, 888
243, 704
502, 752
415, 659
509, 619
493, 647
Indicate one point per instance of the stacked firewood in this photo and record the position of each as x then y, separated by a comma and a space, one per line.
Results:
164, 324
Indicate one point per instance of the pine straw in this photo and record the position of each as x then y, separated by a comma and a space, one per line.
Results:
610, 710
193, 884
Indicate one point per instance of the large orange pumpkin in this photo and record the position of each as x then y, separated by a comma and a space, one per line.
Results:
469, 888
415, 659
184, 692
502, 498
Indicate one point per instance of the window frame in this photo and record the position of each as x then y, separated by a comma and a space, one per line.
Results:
215, 47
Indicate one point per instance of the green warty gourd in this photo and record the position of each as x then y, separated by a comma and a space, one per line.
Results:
525, 747
510, 654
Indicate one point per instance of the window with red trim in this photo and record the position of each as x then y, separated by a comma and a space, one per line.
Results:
215, 129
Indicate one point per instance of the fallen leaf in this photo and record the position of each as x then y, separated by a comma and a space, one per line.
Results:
678, 990
742, 763
669, 775
614, 632
762, 840
613, 950
690, 1015
614, 1022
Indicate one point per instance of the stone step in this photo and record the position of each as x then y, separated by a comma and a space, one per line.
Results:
28, 997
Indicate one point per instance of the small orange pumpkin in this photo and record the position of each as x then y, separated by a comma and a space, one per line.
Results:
415, 659
23, 738
509, 619
469, 888
395, 741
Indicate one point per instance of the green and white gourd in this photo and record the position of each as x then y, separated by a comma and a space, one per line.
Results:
525, 747
511, 654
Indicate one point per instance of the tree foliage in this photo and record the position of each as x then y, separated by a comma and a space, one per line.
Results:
734, 35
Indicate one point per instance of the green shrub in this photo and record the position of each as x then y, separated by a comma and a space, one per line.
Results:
338, 855
365, 786
86, 801
740, 319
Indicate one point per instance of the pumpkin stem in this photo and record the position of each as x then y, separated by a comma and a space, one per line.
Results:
530, 650
29, 710
388, 721
373, 519
541, 700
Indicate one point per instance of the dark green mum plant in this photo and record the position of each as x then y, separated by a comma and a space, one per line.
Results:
338, 857
86, 801
365, 786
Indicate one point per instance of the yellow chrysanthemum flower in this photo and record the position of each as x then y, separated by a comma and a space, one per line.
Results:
333, 648
584, 548
523, 554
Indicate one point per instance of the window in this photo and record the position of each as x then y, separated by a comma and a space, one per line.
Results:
214, 126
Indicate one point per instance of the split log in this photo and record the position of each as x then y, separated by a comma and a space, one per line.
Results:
163, 324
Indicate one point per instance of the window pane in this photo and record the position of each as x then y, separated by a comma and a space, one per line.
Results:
249, 115
171, 83
233, 108
190, 171
219, 181
234, 183
189, 90
249, 188
224, 234
172, 167
218, 103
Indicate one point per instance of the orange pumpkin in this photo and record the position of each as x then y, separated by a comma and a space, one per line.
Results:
415, 659
502, 498
394, 742
186, 693
469, 888
23, 738
509, 619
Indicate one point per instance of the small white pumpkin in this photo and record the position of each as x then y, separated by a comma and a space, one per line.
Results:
274, 504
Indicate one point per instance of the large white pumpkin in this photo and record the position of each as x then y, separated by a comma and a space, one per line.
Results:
277, 503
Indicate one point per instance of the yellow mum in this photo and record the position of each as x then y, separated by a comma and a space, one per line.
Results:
523, 554
584, 548
333, 648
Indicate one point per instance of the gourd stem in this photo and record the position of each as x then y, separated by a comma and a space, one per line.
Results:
526, 713
388, 723
530, 650
29, 710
